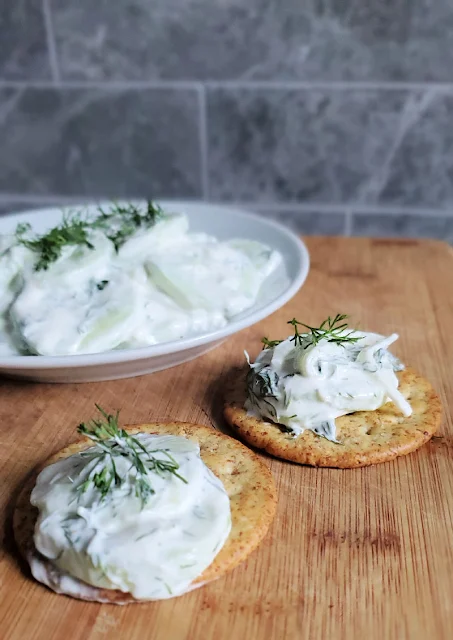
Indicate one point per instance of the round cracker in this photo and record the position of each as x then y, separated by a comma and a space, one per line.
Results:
246, 478
365, 437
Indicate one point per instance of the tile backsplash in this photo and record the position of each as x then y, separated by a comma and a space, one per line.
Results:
334, 117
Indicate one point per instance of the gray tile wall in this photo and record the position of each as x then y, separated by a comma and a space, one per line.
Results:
334, 116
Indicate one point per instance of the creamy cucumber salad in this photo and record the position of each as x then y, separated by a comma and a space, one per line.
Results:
141, 514
128, 277
322, 373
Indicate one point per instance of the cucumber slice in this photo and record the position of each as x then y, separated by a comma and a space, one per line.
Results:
211, 275
86, 319
15, 262
163, 234
79, 261
261, 256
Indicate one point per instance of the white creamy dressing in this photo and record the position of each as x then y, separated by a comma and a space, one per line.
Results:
153, 550
162, 284
306, 386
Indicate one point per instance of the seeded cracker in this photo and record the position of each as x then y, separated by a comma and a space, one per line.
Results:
246, 478
365, 437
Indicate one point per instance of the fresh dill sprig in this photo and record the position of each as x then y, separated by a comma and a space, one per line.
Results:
268, 344
298, 337
126, 220
113, 442
262, 387
118, 223
332, 330
72, 231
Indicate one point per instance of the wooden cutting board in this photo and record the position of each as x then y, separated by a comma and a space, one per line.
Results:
364, 553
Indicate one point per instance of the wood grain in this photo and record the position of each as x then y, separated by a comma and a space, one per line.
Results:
359, 553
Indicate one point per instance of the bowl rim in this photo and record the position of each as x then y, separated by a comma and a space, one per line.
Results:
33, 362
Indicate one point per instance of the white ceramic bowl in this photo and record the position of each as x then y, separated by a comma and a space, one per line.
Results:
220, 221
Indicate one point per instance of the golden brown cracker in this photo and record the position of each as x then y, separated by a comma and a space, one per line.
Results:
246, 479
365, 437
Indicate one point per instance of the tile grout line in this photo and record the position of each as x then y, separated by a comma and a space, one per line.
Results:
337, 85
301, 207
347, 231
212, 84
45, 200
341, 208
113, 85
51, 45
203, 141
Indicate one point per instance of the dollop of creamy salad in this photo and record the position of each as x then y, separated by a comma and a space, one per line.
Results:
129, 277
140, 514
322, 373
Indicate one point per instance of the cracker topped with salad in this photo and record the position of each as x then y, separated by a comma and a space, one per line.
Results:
332, 396
142, 513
